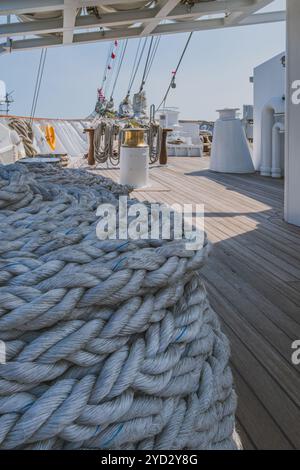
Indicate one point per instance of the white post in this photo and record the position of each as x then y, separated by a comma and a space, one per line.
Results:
292, 145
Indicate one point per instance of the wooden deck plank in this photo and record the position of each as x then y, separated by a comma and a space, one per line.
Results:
251, 307
253, 280
262, 291
265, 353
254, 435
245, 438
285, 414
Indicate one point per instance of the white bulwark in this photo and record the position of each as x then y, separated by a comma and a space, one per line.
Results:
292, 149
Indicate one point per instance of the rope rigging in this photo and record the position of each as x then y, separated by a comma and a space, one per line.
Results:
146, 65
111, 68
111, 54
107, 140
107, 130
120, 63
107, 75
155, 47
136, 64
172, 83
139, 99
154, 43
38, 82
104, 104
110, 50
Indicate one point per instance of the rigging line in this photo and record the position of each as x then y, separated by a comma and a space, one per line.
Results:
176, 70
36, 82
111, 73
124, 47
158, 38
146, 63
110, 49
137, 66
40, 82
134, 62
106, 65
155, 47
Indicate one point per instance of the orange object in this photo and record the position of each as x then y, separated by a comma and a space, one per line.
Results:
50, 136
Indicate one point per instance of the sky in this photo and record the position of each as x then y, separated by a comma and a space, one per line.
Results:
214, 74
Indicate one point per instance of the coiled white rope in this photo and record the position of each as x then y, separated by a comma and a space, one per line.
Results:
110, 344
107, 141
25, 132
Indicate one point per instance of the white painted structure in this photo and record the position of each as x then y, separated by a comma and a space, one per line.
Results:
191, 128
272, 137
134, 166
69, 20
11, 146
278, 132
168, 118
2, 92
247, 120
269, 85
292, 144
186, 132
230, 151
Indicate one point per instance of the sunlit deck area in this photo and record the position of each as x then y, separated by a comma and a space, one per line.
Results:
253, 280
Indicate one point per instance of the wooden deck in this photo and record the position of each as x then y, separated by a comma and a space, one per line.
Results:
253, 280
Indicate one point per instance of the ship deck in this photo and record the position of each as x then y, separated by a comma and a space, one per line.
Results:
253, 281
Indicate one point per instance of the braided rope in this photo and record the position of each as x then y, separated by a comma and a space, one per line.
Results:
110, 344
107, 141
25, 132
155, 141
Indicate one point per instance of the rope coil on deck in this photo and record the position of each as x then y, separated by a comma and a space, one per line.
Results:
25, 132
107, 141
110, 344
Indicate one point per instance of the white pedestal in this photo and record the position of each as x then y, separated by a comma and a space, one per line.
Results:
230, 151
292, 141
134, 166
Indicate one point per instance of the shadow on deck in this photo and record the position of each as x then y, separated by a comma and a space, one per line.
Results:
253, 281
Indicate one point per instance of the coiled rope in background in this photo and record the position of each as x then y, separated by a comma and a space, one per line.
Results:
110, 344
154, 141
25, 132
107, 141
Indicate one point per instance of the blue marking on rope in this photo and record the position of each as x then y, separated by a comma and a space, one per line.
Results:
114, 434
8, 265
181, 333
118, 263
123, 244
97, 430
26, 407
